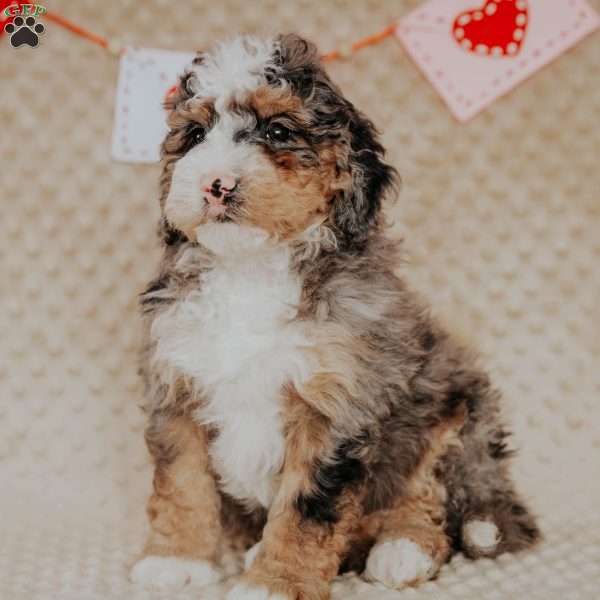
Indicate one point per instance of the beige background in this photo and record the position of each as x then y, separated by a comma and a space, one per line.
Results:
502, 224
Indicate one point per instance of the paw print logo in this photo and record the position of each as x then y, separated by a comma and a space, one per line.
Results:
24, 31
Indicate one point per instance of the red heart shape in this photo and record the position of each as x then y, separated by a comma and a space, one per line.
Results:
496, 29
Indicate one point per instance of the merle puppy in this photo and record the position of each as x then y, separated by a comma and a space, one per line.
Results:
303, 406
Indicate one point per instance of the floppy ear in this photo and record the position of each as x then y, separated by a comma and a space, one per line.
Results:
297, 61
178, 95
182, 90
367, 178
356, 208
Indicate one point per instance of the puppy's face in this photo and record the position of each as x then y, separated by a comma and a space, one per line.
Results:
260, 136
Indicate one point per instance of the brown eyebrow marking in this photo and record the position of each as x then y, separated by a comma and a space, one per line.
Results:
199, 110
195, 111
267, 102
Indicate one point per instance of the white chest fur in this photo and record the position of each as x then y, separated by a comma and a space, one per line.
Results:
237, 338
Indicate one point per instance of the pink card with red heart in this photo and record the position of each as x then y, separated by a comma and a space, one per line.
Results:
474, 51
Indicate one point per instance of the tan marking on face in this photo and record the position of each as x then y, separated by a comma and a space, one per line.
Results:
285, 196
268, 101
290, 197
184, 507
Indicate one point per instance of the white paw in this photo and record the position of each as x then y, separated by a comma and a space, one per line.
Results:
172, 572
230, 563
249, 592
251, 555
483, 535
396, 563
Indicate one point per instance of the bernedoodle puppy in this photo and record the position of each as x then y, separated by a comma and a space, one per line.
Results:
303, 406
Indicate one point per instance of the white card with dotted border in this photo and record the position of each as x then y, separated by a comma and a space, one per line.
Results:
145, 77
474, 51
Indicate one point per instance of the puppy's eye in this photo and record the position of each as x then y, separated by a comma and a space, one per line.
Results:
277, 133
196, 136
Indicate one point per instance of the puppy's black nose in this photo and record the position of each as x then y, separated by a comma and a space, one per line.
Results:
216, 186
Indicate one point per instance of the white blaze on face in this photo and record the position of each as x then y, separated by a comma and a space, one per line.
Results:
218, 153
231, 70
231, 67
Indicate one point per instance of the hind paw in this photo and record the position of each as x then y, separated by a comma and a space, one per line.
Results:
398, 563
170, 572
480, 537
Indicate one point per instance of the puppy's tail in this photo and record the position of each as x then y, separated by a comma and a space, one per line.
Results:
485, 515
503, 524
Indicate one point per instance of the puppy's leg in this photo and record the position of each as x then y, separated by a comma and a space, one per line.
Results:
183, 509
410, 544
496, 522
298, 557
318, 505
486, 516
410, 539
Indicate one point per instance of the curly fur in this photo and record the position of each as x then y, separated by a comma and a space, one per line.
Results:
337, 414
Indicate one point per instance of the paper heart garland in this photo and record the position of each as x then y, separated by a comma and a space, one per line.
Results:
497, 29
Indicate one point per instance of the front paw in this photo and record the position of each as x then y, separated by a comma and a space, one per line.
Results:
243, 591
399, 563
171, 572
267, 587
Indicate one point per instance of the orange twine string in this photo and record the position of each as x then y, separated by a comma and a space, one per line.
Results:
77, 30
370, 40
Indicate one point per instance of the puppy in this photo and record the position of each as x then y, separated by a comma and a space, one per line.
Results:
303, 406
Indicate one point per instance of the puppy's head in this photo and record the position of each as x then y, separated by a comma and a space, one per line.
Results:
260, 136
